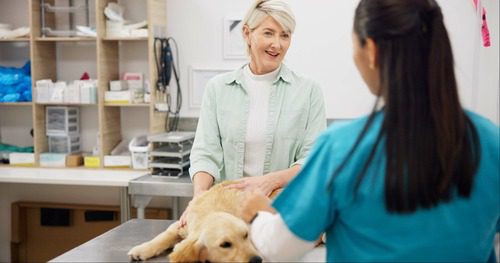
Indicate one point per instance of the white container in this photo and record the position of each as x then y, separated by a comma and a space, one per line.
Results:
62, 121
22, 159
53, 160
64, 144
138, 148
117, 161
117, 97
118, 85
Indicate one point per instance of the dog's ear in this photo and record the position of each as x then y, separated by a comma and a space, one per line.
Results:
189, 250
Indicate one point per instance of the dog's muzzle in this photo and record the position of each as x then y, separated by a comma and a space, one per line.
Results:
255, 259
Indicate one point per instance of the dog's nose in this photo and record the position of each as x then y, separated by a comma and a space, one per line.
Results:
255, 259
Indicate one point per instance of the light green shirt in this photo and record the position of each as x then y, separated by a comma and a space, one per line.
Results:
296, 116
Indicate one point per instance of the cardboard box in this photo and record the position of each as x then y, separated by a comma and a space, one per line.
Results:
43, 231
74, 160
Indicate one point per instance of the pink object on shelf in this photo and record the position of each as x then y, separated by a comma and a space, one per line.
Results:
85, 76
484, 25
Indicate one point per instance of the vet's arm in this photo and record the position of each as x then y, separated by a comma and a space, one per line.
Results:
252, 204
274, 241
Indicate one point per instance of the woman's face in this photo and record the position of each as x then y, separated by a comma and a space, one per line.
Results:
269, 43
365, 58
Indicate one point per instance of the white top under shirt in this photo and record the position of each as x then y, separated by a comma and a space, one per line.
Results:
258, 88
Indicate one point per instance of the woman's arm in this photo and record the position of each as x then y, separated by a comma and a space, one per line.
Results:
267, 183
202, 181
206, 153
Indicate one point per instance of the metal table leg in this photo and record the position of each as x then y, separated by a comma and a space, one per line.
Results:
124, 205
141, 202
175, 208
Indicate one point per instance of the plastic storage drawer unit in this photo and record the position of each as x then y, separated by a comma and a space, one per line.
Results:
62, 121
64, 144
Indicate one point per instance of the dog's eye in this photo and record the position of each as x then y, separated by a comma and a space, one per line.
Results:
245, 236
226, 244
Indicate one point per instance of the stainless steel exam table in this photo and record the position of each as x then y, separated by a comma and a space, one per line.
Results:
113, 245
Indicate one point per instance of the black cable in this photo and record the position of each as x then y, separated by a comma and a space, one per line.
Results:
165, 65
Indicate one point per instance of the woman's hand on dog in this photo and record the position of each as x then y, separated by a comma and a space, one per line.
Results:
261, 184
253, 203
183, 218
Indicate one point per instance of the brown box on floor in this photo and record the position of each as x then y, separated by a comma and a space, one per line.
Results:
43, 231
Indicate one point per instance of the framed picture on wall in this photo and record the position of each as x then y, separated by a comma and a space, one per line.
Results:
234, 45
198, 78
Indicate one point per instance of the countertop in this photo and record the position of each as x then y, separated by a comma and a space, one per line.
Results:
68, 176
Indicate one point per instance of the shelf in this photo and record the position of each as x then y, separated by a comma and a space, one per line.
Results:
21, 39
65, 39
126, 105
125, 38
20, 104
63, 9
65, 104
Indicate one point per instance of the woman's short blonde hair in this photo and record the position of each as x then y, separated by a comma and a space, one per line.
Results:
277, 9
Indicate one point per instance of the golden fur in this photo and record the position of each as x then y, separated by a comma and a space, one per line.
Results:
215, 232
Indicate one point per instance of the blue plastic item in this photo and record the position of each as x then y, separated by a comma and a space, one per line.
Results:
15, 83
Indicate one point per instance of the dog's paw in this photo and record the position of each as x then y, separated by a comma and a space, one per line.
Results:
142, 252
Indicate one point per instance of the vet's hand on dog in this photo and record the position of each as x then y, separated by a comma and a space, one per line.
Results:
253, 203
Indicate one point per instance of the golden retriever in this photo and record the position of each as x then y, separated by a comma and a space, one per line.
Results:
215, 232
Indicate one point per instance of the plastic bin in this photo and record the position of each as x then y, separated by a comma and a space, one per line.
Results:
62, 121
139, 151
64, 144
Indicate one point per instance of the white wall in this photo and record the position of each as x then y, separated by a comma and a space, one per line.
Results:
321, 48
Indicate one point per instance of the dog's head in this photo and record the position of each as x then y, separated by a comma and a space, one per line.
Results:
223, 238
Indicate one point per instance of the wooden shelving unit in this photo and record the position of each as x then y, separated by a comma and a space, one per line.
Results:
44, 62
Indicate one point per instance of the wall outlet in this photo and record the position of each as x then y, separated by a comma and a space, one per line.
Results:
159, 31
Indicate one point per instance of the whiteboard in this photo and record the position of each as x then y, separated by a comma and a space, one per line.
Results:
322, 49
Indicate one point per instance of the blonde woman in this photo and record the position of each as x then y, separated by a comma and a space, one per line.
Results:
257, 123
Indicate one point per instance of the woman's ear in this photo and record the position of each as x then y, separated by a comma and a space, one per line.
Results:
371, 49
246, 34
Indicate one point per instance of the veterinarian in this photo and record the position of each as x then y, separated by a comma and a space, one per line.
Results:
257, 123
417, 180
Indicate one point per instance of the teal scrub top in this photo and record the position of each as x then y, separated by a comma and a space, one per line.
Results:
360, 229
